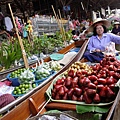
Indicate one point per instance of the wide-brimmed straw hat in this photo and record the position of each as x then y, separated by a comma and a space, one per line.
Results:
116, 23
104, 22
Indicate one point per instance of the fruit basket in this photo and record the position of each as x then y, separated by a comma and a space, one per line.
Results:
71, 101
43, 79
14, 76
15, 81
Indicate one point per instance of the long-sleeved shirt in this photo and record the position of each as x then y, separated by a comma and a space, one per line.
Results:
96, 43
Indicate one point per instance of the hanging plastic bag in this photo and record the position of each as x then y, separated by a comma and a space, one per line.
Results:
110, 49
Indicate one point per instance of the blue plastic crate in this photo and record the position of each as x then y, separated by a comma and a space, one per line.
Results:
41, 80
15, 81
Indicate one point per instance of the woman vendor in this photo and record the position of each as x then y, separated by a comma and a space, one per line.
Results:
99, 40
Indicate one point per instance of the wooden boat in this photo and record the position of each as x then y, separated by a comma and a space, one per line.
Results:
12, 106
36, 102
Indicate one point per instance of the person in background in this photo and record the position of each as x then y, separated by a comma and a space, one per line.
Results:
116, 28
75, 34
87, 23
8, 25
71, 25
19, 25
77, 24
24, 31
3, 34
99, 40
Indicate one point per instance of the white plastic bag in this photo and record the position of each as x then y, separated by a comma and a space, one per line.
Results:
27, 77
110, 49
4, 89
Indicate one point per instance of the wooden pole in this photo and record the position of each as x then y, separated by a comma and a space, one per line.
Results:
63, 30
20, 40
56, 18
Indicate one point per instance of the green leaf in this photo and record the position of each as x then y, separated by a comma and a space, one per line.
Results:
84, 108
102, 109
53, 111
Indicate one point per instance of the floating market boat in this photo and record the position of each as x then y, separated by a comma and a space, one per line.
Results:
36, 103
12, 106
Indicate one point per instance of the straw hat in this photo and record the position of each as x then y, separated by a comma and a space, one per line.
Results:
104, 22
116, 23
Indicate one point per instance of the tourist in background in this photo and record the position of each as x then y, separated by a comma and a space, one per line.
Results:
8, 24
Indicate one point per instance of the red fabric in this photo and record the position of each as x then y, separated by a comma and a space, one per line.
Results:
7, 82
6, 99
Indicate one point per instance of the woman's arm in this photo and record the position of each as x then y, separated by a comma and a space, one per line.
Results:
114, 38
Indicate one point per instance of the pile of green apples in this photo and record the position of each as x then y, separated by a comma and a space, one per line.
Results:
23, 88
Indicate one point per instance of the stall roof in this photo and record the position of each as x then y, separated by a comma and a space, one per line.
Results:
89, 5
94, 3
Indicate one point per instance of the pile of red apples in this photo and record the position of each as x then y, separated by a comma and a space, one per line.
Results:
97, 86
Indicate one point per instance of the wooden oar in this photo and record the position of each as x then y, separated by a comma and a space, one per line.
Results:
20, 40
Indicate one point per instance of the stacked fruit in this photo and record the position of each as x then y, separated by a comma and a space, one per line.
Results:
23, 88
89, 86
79, 67
17, 73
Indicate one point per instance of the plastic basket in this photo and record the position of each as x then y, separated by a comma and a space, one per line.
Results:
15, 81
41, 80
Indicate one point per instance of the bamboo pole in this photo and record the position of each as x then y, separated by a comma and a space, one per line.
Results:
63, 30
57, 18
20, 40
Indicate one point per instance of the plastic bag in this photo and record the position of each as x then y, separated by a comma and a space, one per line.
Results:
55, 65
47, 117
110, 49
27, 77
4, 89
